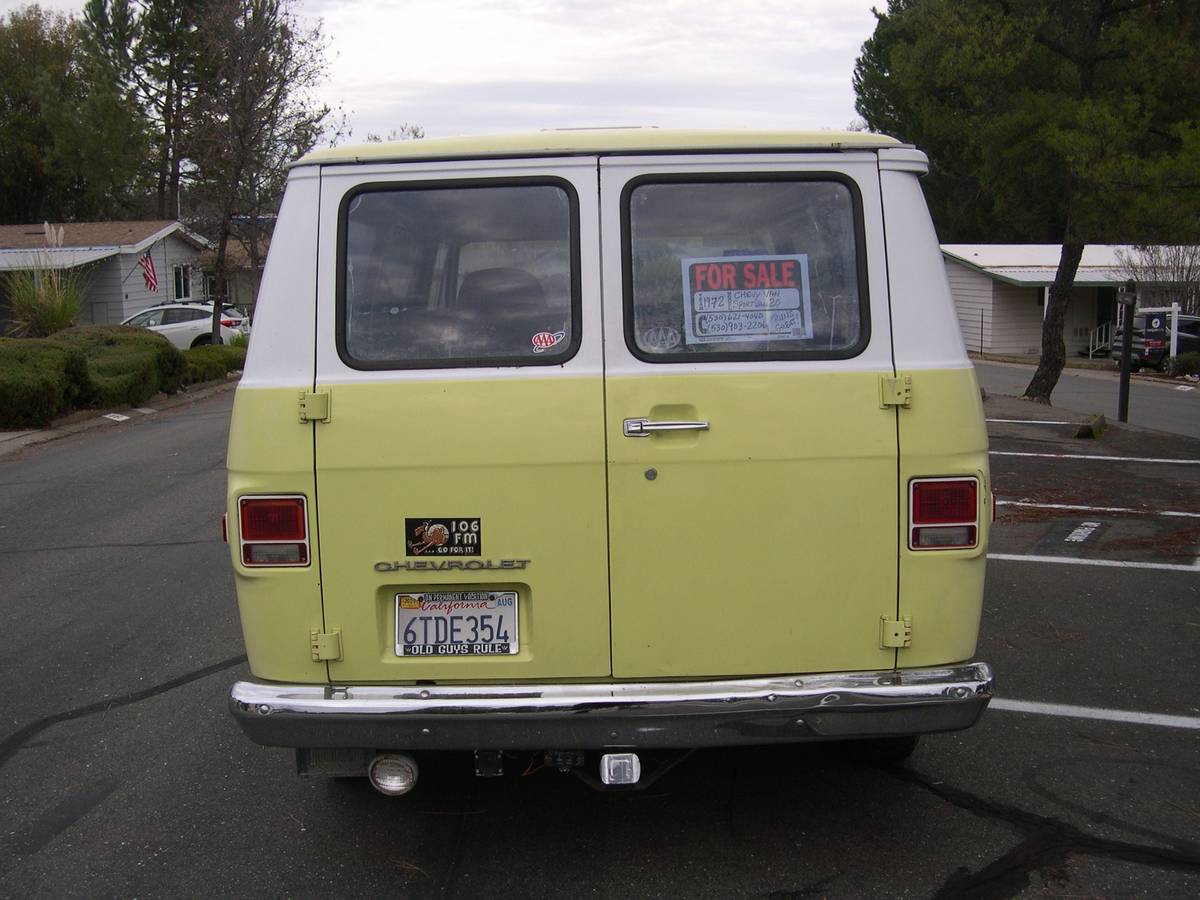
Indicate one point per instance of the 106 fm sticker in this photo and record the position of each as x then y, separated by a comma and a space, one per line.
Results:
443, 537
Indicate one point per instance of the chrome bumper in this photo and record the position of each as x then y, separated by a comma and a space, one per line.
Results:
784, 709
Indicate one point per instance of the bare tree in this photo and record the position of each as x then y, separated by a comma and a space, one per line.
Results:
254, 113
1165, 273
406, 132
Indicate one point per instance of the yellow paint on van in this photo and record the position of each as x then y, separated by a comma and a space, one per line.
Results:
270, 452
764, 545
598, 141
526, 456
943, 434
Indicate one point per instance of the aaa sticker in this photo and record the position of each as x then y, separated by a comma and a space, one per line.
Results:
544, 340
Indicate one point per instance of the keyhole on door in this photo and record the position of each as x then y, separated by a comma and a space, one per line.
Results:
651, 474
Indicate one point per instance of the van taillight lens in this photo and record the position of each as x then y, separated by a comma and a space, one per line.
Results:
274, 530
943, 513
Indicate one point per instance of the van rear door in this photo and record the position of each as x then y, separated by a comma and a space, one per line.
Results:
460, 474
752, 470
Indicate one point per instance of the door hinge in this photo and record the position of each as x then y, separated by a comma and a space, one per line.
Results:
895, 633
326, 645
895, 391
314, 407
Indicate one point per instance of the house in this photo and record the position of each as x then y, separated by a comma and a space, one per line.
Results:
243, 274
108, 254
1000, 293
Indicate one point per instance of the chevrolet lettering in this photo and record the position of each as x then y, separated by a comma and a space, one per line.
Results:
447, 565
711, 382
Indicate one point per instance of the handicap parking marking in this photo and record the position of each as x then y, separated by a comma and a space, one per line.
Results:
1082, 532
1067, 711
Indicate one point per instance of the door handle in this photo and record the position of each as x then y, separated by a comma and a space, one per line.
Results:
645, 428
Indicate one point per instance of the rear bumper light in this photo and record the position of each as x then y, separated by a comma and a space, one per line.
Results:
273, 530
943, 513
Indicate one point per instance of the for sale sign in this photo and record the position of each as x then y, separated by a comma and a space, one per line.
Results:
746, 298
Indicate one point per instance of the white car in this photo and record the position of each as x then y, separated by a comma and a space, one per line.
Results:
188, 325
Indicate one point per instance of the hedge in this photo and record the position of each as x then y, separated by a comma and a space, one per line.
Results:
1186, 364
40, 380
127, 365
89, 365
212, 361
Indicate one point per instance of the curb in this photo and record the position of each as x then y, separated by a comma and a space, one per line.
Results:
14, 441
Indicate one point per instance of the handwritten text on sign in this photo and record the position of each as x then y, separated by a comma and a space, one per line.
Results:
746, 298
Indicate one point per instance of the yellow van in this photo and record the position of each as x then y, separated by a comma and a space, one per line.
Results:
594, 444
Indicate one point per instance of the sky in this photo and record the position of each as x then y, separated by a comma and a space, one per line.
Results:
480, 66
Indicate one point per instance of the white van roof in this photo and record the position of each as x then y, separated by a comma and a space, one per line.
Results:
567, 142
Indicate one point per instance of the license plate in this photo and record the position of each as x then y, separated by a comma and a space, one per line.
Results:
457, 623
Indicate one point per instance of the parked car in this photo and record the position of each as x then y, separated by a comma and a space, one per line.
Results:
188, 325
1151, 344
595, 447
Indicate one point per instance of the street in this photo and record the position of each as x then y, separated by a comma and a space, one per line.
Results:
1153, 403
122, 773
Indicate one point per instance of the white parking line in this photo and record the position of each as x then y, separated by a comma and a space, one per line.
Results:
1066, 711
1030, 422
1108, 563
1139, 459
1128, 510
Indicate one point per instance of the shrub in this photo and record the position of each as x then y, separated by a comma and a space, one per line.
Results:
240, 340
42, 299
204, 364
127, 365
1186, 364
38, 381
212, 361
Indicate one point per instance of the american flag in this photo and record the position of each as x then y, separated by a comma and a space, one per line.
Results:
147, 264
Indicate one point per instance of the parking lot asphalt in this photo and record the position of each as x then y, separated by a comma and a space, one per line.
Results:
121, 774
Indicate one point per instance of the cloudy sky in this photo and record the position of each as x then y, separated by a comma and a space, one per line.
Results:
471, 66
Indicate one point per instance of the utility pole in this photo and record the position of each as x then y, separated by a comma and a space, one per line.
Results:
1127, 297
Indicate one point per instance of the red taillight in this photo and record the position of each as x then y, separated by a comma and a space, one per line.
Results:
943, 502
273, 530
943, 513
229, 323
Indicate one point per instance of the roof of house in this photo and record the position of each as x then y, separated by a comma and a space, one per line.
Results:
1034, 265
569, 141
25, 247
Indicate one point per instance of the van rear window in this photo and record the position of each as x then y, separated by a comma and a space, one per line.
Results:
434, 276
735, 268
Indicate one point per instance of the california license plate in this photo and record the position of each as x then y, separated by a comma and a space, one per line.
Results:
457, 623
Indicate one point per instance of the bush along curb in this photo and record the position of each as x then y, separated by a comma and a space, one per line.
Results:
87, 366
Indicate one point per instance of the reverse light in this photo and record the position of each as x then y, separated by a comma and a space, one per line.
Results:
273, 530
943, 513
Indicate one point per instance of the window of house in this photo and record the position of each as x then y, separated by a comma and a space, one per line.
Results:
183, 282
